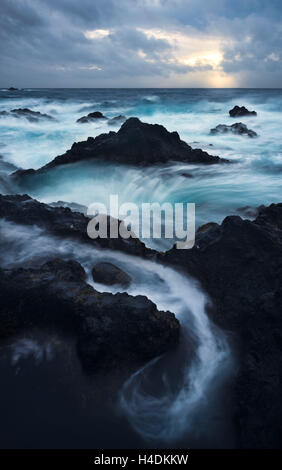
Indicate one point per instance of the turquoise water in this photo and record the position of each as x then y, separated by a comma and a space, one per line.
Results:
217, 191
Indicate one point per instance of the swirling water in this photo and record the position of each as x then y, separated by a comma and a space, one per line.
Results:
165, 400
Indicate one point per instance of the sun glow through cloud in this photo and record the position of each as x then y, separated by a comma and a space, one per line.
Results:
196, 52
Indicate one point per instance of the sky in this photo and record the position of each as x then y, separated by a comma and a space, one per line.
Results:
141, 43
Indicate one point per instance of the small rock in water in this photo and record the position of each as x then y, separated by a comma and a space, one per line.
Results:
91, 117
108, 273
32, 116
116, 120
239, 111
238, 128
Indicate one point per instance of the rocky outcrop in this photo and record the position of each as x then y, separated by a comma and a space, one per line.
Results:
117, 120
31, 116
136, 143
239, 264
238, 128
111, 330
62, 222
108, 273
91, 117
239, 111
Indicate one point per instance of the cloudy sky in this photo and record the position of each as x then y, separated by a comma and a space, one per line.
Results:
141, 43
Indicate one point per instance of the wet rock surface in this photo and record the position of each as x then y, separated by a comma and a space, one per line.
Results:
111, 330
239, 264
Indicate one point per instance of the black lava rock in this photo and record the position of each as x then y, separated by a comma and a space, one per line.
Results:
239, 111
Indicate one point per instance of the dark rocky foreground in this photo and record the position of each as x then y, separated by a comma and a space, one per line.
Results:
239, 111
111, 330
239, 264
136, 143
62, 222
238, 128
31, 116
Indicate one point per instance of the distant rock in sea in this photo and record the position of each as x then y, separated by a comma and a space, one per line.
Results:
238, 128
91, 117
239, 111
116, 120
32, 116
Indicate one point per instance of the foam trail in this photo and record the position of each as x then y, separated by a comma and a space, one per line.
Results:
165, 414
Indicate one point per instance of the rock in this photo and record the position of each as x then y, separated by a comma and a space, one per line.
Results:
237, 128
32, 116
62, 222
239, 111
91, 117
108, 273
117, 120
110, 330
136, 143
239, 264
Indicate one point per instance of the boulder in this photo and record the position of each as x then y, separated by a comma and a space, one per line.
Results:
108, 273
110, 330
237, 128
91, 117
239, 111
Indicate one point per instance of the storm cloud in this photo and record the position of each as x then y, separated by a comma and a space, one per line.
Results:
126, 43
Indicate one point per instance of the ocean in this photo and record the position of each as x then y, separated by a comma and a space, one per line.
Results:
217, 191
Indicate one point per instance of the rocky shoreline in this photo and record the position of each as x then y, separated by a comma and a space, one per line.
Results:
238, 264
